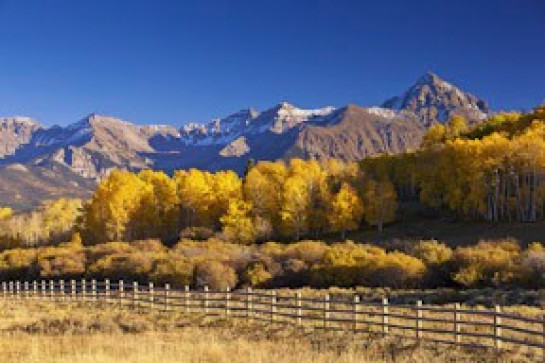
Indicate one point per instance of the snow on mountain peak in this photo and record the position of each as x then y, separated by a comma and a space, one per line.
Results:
383, 112
286, 116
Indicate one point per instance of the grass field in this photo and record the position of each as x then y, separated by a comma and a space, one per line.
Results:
38, 331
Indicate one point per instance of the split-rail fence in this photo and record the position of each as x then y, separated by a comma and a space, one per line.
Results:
453, 324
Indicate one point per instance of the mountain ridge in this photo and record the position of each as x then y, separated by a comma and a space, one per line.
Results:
93, 146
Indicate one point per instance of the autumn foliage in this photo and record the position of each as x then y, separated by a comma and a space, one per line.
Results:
202, 228
275, 200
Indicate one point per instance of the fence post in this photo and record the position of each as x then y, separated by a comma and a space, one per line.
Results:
61, 289
73, 289
107, 290
43, 288
249, 302
419, 318
35, 289
457, 330
227, 301
4, 289
385, 320
134, 294
121, 293
18, 289
151, 297
52, 289
10, 289
497, 327
83, 289
186, 299
299, 307
26, 289
356, 309
543, 336
167, 293
273, 305
326, 310
94, 290
205, 296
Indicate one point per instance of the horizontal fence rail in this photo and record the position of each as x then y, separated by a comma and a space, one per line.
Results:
452, 325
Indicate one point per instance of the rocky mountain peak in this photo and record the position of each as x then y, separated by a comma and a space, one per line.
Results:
15, 131
433, 99
18, 120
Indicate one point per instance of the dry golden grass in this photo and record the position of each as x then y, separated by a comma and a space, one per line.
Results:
41, 331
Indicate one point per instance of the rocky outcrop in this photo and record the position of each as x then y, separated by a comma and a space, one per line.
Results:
15, 132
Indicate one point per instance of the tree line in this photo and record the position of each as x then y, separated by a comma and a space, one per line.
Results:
274, 200
494, 171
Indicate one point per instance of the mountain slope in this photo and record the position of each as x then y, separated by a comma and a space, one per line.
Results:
359, 133
25, 186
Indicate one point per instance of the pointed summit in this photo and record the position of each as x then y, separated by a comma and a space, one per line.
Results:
433, 99
429, 78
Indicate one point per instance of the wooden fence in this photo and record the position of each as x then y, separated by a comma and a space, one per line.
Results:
452, 325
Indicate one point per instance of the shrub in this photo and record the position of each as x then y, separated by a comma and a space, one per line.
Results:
310, 252
432, 252
488, 263
533, 265
131, 266
173, 269
95, 253
257, 275
18, 263
60, 262
215, 275
396, 270
437, 257
148, 246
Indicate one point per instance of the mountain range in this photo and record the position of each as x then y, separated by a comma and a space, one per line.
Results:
38, 163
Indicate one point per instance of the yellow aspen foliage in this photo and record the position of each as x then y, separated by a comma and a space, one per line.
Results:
380, 201
162, 205
435, 135
110, 216
196, 196
295, 205
346, 210
237, 222
5, 213
226, 187
59, 216
457, 126
316, 180
263, 188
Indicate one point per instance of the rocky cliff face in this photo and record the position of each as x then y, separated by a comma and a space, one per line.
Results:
93, 146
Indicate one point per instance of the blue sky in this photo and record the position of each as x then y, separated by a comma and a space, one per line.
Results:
168, 61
